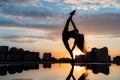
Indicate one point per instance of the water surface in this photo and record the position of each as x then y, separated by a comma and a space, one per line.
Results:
63, 71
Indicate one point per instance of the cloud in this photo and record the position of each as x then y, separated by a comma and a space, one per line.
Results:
7, 3
23, 9
91, 4
21, 16
26, 9
71, 1
27, 12
100, 24
17, 39
25, 35
93, 24
51, 18
26, 39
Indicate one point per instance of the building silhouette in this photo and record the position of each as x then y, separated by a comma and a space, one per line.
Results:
48, 57
116, 60
65, 60
98, 55
15, 54
80, 58
3, 53
95, 55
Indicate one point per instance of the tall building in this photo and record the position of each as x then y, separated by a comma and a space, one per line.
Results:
47, 56
80, 58
99, 55
117, 60
4, 48
3, 53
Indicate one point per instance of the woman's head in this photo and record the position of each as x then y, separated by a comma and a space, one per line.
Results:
80, 42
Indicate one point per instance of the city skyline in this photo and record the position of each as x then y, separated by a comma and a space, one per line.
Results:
37, 25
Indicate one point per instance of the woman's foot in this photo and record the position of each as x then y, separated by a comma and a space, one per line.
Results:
73, 12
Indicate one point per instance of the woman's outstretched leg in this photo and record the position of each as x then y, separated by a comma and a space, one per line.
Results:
68, 21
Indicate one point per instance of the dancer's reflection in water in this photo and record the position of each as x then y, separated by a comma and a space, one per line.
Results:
71, 73
66, 35
83, 77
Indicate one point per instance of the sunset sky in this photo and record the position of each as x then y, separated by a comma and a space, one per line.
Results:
37, 25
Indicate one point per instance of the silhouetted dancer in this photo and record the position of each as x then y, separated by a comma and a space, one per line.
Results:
71, 73
66, 35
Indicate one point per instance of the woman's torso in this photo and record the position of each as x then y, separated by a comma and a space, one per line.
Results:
70, 34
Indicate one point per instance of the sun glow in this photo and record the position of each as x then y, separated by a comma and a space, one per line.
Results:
77, 52
79, 68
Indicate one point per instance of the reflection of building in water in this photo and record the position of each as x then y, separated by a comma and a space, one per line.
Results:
96, 55
47, 65
3, 70
15, 54
19, 68
47, 57
12, 69
97, 68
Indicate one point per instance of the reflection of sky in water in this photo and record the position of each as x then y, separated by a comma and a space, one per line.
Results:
78, 71
60, 72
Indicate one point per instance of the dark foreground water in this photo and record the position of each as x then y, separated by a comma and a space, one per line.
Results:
63, 71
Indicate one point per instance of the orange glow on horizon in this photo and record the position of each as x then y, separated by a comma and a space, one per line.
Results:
77, 52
